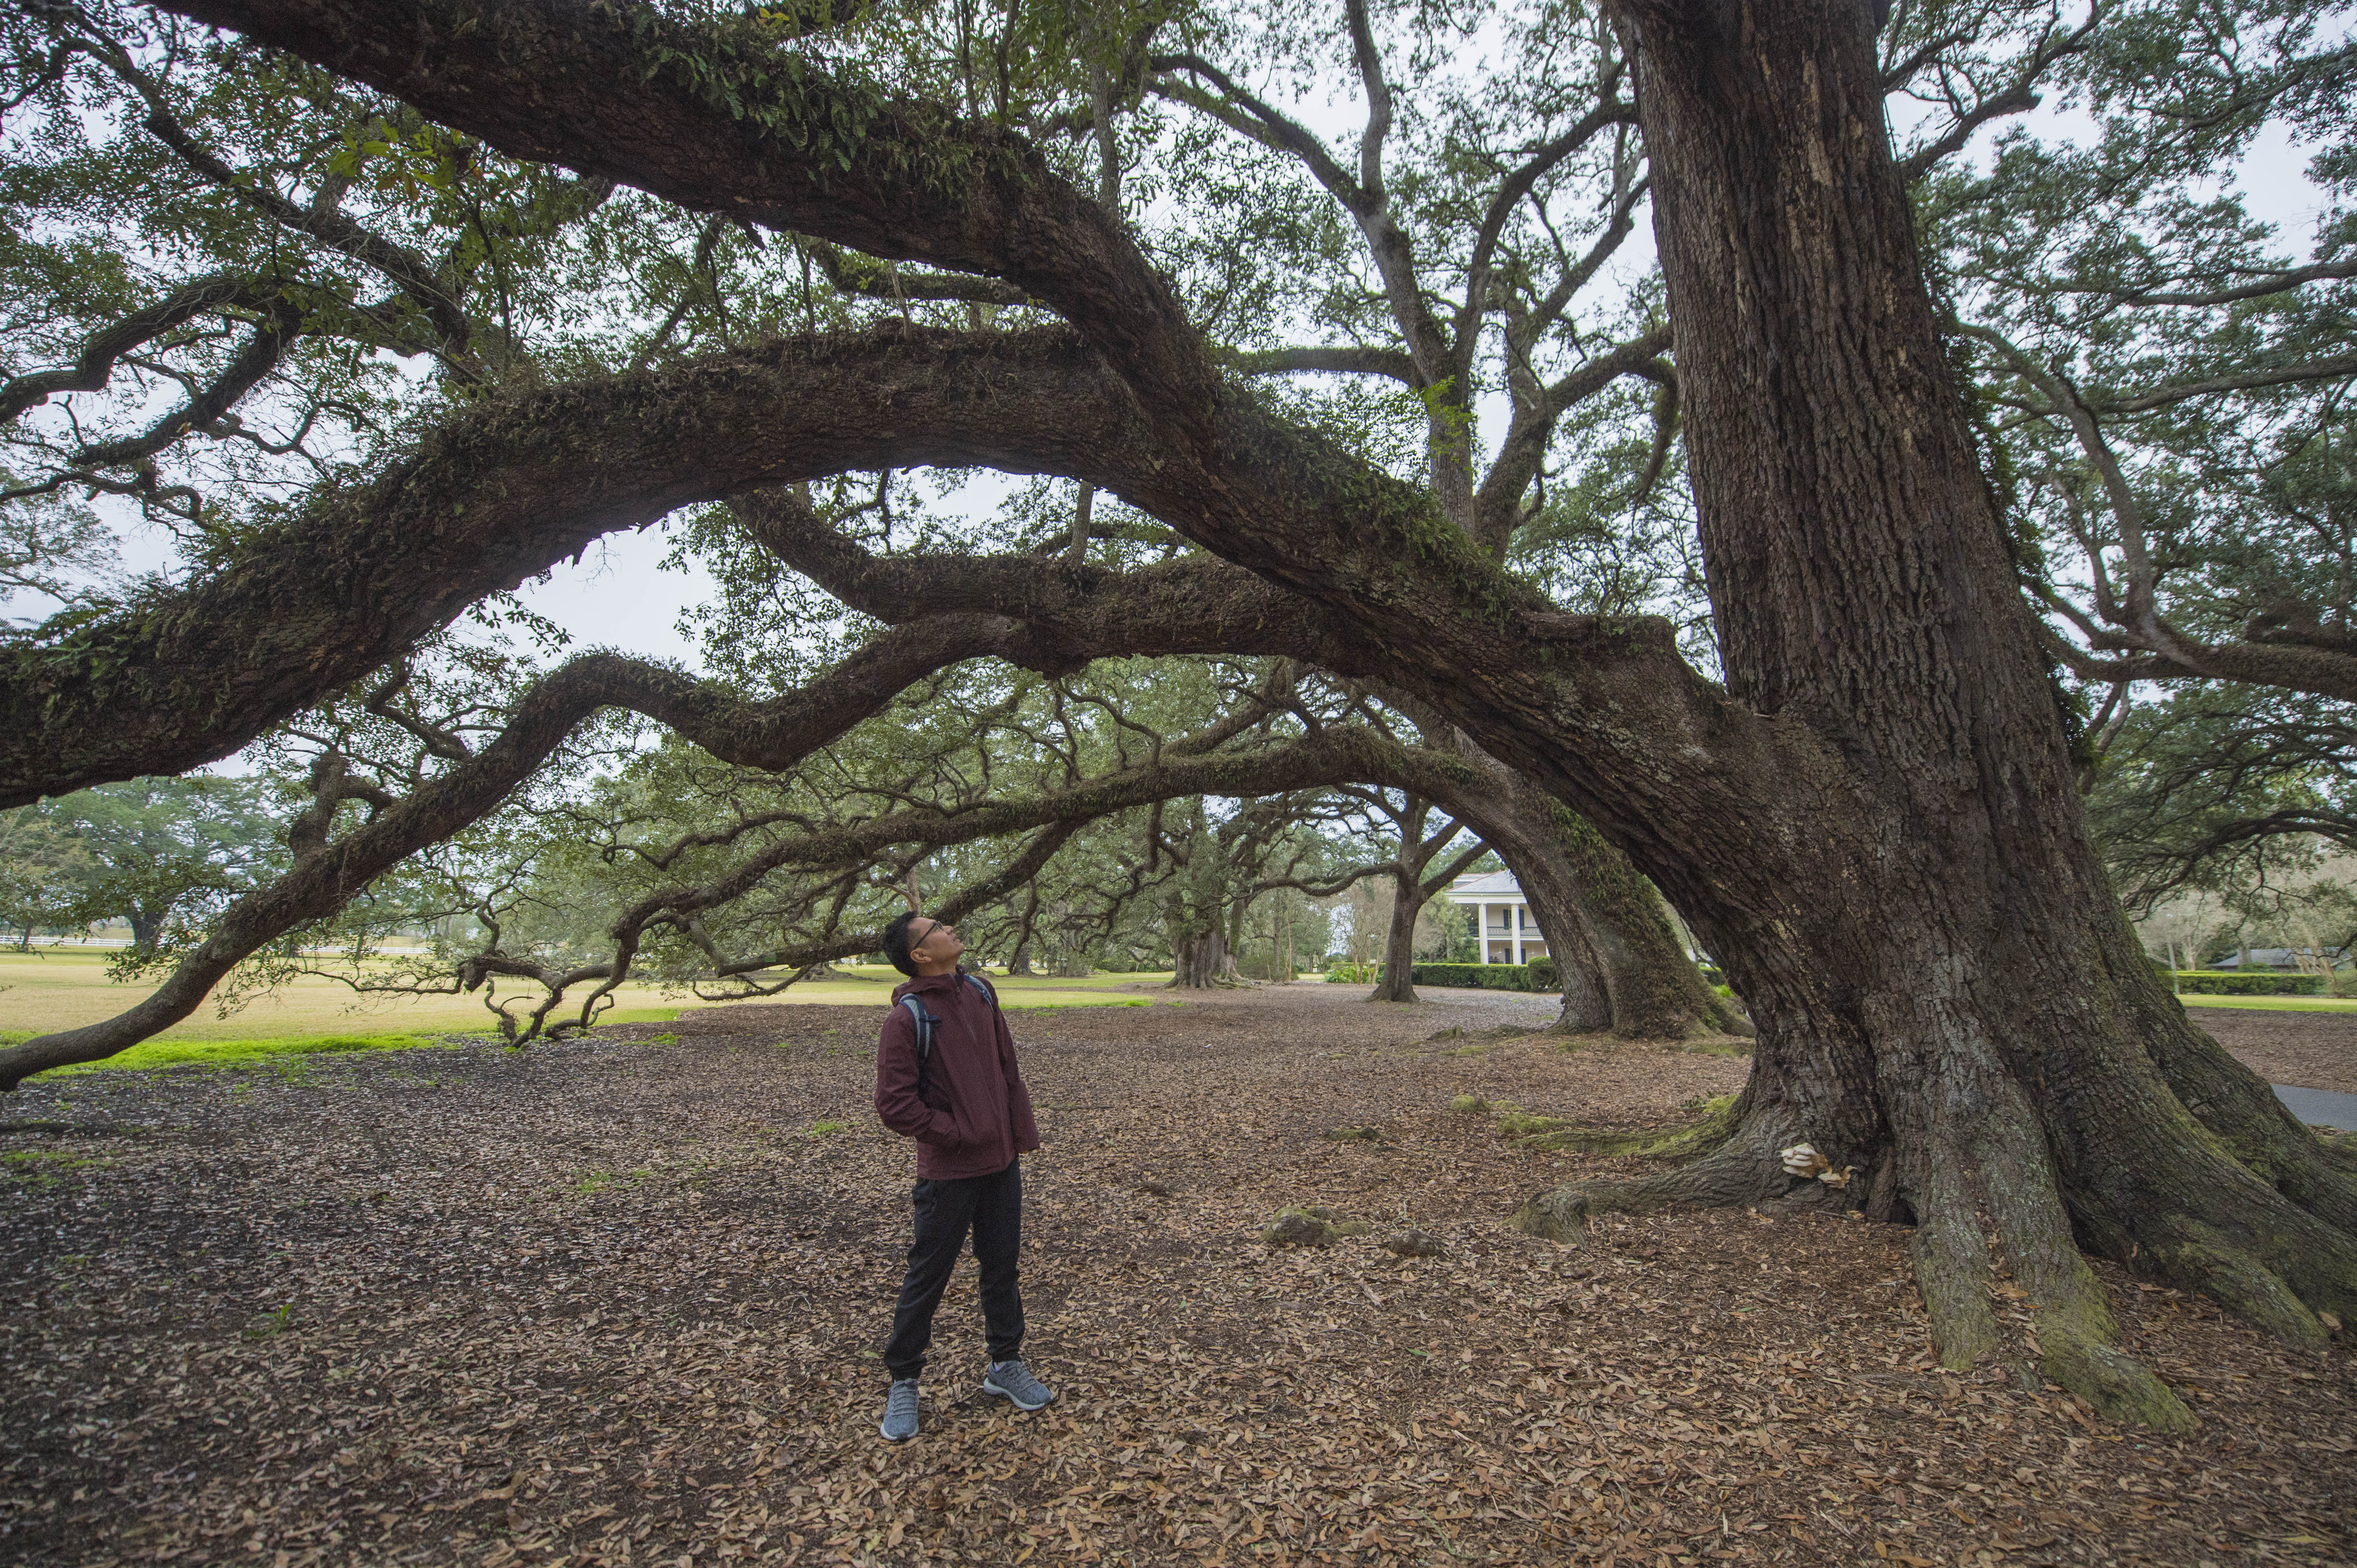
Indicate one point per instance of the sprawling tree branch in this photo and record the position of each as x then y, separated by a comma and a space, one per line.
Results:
95, 364
709, 118
1196, 605
2127, 637
859, 274
2017, 97
501, 493
1498, 503
774, 735
2264, 282
678, 111
281, 324
1590, 707
1347, 361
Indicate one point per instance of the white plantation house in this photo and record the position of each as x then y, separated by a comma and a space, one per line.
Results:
1503, 916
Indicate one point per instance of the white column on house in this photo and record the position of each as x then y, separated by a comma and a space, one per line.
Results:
1516, 915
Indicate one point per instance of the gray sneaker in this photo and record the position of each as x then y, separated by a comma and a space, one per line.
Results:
1013, 1382
900, 1411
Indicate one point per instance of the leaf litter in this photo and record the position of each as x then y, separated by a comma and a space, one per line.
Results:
617, 1301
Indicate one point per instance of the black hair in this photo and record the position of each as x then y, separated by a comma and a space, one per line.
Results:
896, 945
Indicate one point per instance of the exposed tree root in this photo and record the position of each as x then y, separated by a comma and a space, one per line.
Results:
1692, 1140
2074, 1325
1951, 1268
2201, 1256
1987, 1206
1742, 1168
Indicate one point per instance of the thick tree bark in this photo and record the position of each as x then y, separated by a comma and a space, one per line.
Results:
1201, 960
147, 930
1621, 966
1397, 981
1020, 960
1656, 992
1947, 994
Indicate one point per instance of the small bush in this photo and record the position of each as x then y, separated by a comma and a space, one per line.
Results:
1544, 975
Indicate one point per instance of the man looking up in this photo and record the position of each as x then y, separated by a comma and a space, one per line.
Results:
964, 1104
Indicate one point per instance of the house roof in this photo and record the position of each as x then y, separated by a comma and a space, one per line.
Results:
2271, 958
1494, 887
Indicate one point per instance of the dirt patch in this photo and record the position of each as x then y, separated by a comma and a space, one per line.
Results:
2310, 1051
607, 1302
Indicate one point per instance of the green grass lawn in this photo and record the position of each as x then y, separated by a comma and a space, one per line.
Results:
2276, 1004
60, 988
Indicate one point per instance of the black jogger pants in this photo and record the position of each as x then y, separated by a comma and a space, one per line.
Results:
991, 1206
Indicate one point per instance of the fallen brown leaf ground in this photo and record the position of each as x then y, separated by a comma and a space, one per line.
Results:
616, 1302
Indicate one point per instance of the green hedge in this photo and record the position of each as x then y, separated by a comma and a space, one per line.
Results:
2265, 982
1540, 975
1476, 976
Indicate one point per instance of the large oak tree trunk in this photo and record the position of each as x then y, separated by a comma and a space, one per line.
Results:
1622, 967
1947, 995
1202, 961
1397, 981
1623, 970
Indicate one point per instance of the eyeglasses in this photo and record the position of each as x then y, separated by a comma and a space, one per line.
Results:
937, 925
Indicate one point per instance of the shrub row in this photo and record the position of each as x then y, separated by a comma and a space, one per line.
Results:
1480, 976
2229, 983
1539, 974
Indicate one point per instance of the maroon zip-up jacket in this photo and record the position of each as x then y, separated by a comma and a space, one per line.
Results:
975, 1116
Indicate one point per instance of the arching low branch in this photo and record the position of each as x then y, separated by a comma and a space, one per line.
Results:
329, 872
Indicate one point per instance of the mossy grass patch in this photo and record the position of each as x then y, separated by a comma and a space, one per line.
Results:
156, 1055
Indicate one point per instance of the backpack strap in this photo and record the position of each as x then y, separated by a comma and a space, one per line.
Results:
984, 986
924, 1022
